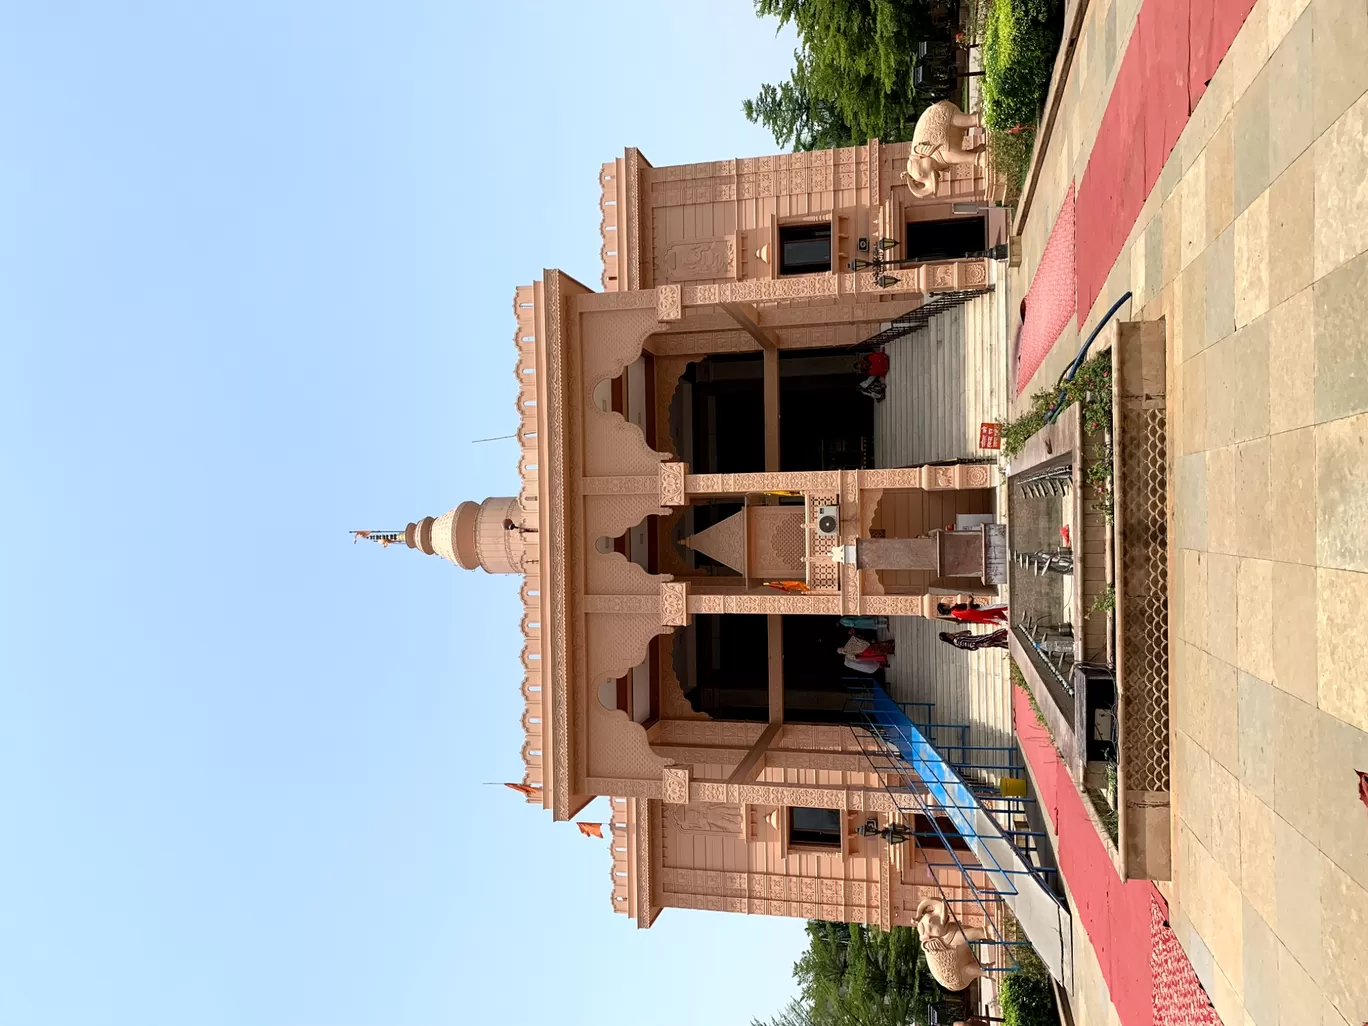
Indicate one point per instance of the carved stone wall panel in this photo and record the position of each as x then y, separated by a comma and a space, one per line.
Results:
776, 542
699, 260
770, 603
625, 484
739, 484
674, 786
616, 642
672, 476
674, 603
723, 820
610, 340
719, 733
614, 574
673, 705
668, 303
615, 447
610, 516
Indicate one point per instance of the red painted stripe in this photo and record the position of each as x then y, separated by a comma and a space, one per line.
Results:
1053, 296
1174, 50
1115, 914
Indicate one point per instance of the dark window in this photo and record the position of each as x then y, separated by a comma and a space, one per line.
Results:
804, 248
952, 239
817, 828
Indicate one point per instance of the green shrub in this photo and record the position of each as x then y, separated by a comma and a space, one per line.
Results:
1018, 53
1026, 995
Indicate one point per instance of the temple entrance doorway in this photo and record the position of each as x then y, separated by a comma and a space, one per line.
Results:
717, 413
722, 662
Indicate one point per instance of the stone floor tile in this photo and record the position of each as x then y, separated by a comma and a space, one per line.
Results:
1220, 286
1222, 592
1172, 217
1341, 658
1248, 53
1282, 15
1197, 951
1223, 714
1255, 699
1251, 261
1291, 229
1195, 704
1194, 584
1298, 996
1222, 387
1220, 178
1190, 504
1294, 630
1257, 879
1192, 785
1340, 41
1189, 298
1292, 486
1290, 96
1254, 618
1341, 192
1251, 142
1154, 254
1297, 871
1330, 1015
1139, 263
1226, 939
1253, 497
1292, 363
1250, 374
1224, 838
1341, 821
1341, 492
1222, 515
1194, 212
1344, 905
1226, 999
1260, 968
1296, 742
1341, 333
1190, 378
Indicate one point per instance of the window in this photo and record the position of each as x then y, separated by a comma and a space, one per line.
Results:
815, 828
804, 248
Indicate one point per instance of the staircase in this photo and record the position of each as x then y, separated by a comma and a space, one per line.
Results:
992, 824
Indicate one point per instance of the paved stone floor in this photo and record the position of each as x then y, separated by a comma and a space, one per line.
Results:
1254, 247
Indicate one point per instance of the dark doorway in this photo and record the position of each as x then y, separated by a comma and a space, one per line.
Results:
723, 663
825, 423
951, 239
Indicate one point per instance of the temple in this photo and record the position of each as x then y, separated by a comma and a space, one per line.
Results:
702, 519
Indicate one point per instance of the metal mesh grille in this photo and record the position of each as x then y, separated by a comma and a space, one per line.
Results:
1144, 583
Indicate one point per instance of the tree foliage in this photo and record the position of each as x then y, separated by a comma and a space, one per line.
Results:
852, 75
855, 975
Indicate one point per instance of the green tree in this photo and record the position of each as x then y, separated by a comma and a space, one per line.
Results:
852, 76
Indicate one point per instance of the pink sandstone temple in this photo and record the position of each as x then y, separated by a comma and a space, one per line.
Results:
699, 509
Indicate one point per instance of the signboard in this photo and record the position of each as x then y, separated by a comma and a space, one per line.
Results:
994, 553
990, 435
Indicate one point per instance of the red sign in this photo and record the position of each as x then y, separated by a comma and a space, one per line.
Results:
990, 435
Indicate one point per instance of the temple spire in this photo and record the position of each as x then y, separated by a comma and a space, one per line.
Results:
493, 535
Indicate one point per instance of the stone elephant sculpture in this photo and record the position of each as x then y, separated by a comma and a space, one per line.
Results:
946, 945
937, 143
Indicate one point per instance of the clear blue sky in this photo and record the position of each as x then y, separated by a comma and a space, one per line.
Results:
257, 262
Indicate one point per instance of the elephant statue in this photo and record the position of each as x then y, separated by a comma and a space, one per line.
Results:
946, 945
937, 143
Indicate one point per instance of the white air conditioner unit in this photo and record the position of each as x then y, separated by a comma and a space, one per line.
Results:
828, 521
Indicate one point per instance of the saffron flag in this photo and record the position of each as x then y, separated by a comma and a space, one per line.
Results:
531, 792
591, 829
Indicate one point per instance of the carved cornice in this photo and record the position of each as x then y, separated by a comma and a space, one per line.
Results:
555, 576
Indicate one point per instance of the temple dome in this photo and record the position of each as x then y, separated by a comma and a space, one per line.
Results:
489, 535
